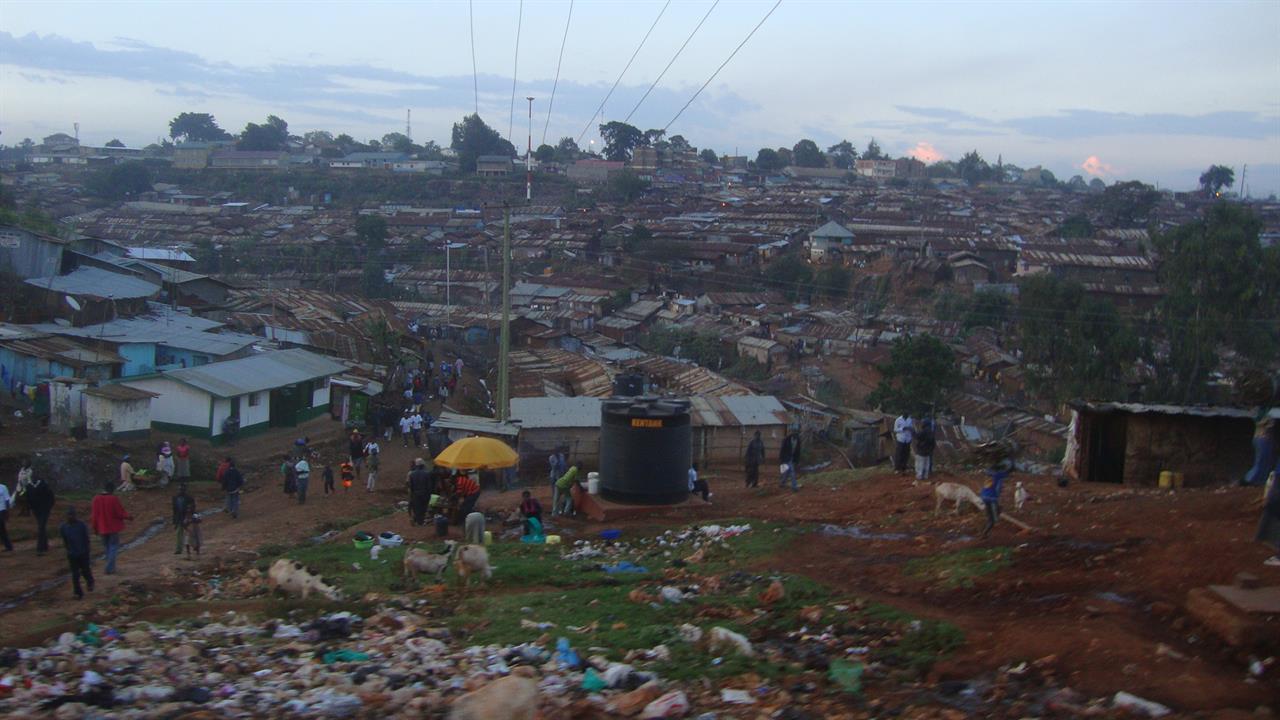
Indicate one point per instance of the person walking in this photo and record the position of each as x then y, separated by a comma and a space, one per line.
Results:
232, 485
990, 494
406, 427
41, 500
415, 427
107, 518
348, 473
165, 465
75, 539
420, 489
222, 469
788, 459
469, 490
20, 490
182, 461
698, 486
355, 449
6, 502
290, 474
926, 440
562, 495
755, 456
328, 480
184, 506
372, 458
903, 432
302, 479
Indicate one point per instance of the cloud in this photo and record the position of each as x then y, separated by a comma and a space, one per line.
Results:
1076, 124
366, 91
1092, 165
925, 152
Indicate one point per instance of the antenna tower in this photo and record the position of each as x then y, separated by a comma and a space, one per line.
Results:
408, 123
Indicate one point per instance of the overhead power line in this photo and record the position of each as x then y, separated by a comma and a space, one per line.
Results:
624, 71
475, 77
673, 60
726, 62
511, 117
555, 84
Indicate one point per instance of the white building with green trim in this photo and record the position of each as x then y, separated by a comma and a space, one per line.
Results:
240, 397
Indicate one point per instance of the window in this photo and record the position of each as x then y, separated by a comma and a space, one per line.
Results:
254, 399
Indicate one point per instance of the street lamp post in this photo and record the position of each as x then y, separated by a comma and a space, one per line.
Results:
528, 157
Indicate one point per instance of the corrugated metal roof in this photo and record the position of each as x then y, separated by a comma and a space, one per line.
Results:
120, 392
474, 424
556, 412
257, 373
1195, 410
96, 282
756, 409
175, 330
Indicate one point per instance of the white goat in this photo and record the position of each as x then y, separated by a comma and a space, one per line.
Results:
472, 560
421, 560
293, 578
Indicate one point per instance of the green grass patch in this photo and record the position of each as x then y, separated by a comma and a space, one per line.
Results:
960, 568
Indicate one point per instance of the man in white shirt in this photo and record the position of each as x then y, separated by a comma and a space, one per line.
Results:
302, 475
904, 431
373, 461
406, 427
415, 426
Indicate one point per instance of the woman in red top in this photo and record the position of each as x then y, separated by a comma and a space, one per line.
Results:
182, 461
106, 517
469, 490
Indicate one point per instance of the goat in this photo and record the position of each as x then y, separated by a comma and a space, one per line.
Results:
1020, 496
421, 560
471, 560
291, 577
947, 491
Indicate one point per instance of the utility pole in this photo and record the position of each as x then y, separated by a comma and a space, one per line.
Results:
528, 157
448, 305
504, 346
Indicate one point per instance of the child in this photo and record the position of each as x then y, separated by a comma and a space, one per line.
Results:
348, 472
531, 509
698, 485
328, 479
996, 475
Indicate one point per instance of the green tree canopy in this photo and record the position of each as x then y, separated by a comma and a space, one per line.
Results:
990, 308
806, 154
626, 186
271, 135
114, 143
791, 276
678, 142
620, 139
398, 142
1125, 205
120, 182
473, 138
842, 154
371, 231
373, 280
567, 150
1076, 226
919, 376
873, 151
972, 168
196, 127
709, 156
767, 160
545, 153
1216, 178
832, 282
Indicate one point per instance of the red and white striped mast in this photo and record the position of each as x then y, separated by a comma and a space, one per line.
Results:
528, 157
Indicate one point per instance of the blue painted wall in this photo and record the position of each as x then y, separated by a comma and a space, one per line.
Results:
140, 358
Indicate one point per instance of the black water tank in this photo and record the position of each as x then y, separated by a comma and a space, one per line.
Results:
629, 384
646, 447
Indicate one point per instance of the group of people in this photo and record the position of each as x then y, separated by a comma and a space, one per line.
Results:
914, 437
788, 462
425, 480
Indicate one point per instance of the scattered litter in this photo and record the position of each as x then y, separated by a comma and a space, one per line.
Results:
1133, 703
565, 654
672, 705
671, 595
624, 566
736, 697
592, 682
847, 675
724, 639
336, 656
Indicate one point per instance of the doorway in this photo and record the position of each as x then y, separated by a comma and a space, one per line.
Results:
1106, 441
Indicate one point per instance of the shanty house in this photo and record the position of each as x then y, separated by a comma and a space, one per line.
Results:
30, 254
825, 242
117, 412
1133, 443
493, 165
238, 397
764, 351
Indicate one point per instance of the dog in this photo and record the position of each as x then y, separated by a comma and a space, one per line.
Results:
472, 560
421, 560
947, 491
291, 577
1020, 496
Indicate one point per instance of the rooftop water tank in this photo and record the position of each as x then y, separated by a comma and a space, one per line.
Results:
646, 447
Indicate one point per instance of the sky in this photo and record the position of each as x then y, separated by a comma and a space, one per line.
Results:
1153, 91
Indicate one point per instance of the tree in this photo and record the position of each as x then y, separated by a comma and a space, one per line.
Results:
1221, 292
873, 151
371, 231
373, 281
399, 142
942, 169
473, 138
1217, 177
842, 154
806, 154
785, 156
626, 186
767, 160
709, 156
1126, 204
567, 150
1074, 345
114, 143
120, 182
1076, 226
832, 282
271, 135
430, 150
791, 276
319, 138
680, 144
620, 139
990, 308
972, 168
545, 153
920, 374
653, 137
196, 127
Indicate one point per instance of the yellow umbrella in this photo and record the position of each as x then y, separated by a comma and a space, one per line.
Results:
477, 453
